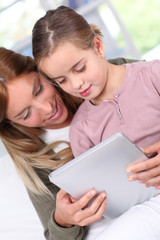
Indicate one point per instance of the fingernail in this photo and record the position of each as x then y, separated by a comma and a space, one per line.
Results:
140, 181
130, 179
103, 195
128, 169
93, 192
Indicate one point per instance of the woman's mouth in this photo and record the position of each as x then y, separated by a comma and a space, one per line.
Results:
86, 92
54, 113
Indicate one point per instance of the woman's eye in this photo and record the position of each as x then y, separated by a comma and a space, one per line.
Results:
39, 90
27, 115
61, 81
81, 69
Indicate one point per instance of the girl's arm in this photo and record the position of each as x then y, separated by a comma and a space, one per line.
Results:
148, 172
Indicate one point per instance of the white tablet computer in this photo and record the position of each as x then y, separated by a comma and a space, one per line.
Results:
103, 167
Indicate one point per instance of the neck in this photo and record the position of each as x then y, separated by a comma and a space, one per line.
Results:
115, 76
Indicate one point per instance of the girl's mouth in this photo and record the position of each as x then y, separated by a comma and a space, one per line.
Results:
86, 92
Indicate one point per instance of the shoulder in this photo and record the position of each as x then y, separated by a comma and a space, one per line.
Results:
149, 68
146, 72
155, 66
143, 65
81, 113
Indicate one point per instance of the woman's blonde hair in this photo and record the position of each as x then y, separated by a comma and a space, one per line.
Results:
23, 144
58, 26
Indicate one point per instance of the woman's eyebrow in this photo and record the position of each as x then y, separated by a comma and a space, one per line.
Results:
33, 92
34, 86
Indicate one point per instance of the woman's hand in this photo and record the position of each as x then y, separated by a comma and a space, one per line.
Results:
70, 211
147, 172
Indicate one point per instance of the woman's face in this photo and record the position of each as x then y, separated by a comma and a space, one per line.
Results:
34, 102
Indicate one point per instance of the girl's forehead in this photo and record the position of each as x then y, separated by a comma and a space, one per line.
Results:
62, 60
64, 53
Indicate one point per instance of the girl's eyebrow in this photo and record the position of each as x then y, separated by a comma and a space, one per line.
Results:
33, 92
54, 78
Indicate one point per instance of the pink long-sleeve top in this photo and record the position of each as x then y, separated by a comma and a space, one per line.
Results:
135, 111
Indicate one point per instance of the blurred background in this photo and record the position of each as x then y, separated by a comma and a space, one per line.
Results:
131, 29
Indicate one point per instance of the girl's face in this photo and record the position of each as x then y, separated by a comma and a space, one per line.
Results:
81, 73
34, 102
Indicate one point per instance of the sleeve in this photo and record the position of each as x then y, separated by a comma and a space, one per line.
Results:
120, 61
155, 70
79, 140
45, 207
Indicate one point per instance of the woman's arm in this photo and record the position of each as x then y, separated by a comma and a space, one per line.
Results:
64, 217
45, 206
120, 61
148, 172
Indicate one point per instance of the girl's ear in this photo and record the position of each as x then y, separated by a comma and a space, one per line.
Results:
98, 46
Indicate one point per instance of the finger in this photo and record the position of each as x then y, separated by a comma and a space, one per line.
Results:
73, 199
92, 209
145, 175
96, 216
148, 164
153, 182
83, 201
151, 148
157, 186
63, 195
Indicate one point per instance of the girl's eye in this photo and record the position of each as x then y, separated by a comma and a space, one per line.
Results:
81, 69
27, 115
39, 90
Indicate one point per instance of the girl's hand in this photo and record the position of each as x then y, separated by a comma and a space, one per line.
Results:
147, 172
70, 211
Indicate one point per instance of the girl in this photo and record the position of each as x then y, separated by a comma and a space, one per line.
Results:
110, 94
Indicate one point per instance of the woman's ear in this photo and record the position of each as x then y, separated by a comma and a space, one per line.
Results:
98, 46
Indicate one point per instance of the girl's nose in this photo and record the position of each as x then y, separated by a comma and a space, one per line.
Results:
76, 82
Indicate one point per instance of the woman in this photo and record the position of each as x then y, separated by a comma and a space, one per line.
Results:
31, 110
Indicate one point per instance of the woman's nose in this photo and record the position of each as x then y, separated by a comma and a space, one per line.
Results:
44, 107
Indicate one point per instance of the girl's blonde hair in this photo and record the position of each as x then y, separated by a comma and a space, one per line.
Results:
23, 144
58, 26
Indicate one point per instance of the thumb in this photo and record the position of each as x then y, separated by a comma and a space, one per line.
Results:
63, 196
73, 199
151, 148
